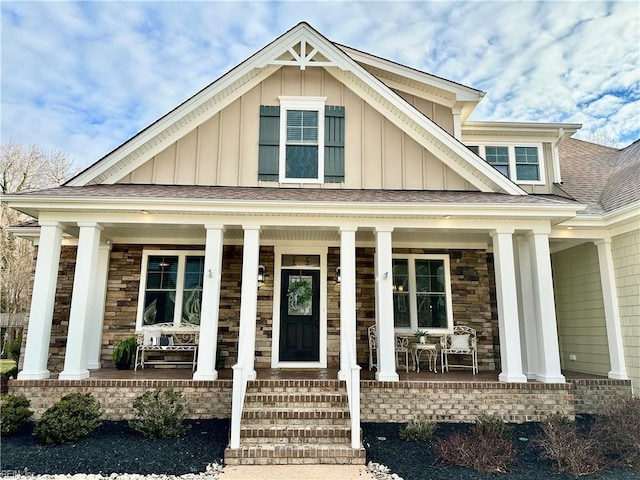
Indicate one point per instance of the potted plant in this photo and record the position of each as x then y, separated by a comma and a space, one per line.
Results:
421, 336
124, 352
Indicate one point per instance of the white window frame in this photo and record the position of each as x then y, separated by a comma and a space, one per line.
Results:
413, 300
182, 261
316, 104
511, 147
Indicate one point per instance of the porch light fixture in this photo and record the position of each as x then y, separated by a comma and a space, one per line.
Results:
338, 275
262, 272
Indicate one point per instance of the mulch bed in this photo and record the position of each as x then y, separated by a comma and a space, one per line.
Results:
115, 448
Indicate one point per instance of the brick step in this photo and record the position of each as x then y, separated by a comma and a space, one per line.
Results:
284, 434
285, 416
295, 386
295, 454
317, 398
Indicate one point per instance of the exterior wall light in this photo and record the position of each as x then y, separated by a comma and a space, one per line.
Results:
338, 275
262, 272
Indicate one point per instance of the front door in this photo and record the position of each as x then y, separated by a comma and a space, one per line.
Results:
300, 316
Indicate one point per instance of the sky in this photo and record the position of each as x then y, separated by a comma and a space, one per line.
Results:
83, 77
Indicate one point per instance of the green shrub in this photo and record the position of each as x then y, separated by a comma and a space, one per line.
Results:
159, 414
418, 431
617, 431
14, 413
75, 416
572, 450
486, 447
13, 348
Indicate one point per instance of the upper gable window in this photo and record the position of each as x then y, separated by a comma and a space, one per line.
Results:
301, 141
520, 163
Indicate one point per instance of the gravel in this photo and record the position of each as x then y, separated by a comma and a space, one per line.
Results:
114, 451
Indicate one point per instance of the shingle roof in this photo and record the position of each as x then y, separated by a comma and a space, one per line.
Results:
601, 177
136, 191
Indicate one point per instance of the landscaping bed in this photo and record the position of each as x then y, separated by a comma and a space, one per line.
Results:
115, 448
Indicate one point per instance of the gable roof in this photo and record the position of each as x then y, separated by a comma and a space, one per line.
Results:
304, 47
603, 178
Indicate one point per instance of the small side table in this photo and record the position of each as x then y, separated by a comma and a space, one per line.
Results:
432, 355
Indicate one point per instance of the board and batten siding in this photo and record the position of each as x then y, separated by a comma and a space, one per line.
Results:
626, 259
224, 149
580, 310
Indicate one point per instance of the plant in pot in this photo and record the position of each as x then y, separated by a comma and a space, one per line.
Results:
124, 352
421, 336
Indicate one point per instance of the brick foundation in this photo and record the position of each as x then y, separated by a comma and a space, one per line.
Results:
593, 395
380, 401
205, 399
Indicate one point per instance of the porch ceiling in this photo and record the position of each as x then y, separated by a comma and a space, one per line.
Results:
136, 233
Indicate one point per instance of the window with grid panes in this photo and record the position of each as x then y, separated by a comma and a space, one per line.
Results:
171, 288
422, 293
520, 163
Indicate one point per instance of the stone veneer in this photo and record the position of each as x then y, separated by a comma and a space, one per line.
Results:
471, 285
383, 402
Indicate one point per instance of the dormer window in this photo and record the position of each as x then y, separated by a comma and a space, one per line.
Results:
520, 163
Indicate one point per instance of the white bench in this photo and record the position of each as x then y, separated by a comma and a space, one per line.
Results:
166, 339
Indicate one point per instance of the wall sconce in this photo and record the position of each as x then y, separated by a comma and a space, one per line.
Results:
338, 275
262, 272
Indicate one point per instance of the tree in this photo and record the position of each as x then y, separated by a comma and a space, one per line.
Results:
22, 169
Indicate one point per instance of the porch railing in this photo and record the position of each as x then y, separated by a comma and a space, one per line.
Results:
352, 379
240, 378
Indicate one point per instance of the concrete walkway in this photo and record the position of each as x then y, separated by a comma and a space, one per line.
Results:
295, 472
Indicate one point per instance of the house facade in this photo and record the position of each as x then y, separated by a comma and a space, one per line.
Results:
315, 190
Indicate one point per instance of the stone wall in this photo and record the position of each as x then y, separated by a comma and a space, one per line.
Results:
471, 284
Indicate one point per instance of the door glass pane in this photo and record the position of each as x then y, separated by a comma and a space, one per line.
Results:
300, 295
401, 306
192, 297
160, 294
300, 260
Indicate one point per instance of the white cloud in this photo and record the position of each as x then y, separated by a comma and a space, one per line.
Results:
97, 72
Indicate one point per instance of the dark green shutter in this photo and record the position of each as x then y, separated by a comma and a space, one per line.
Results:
333, 144
268, 150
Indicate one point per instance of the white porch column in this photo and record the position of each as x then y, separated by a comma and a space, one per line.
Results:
543, 298
207, 350
506, 293
386, 370
42, 301
75, 363
94, 334
611, 310
249, 299
526, 310
347, 298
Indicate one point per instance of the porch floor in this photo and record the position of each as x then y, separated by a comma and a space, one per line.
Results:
160, 373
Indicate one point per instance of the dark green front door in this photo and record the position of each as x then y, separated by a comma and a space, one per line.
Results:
300, 316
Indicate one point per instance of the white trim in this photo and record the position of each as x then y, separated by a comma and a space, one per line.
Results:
181, 254
413, 305
311, 104
278, 251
